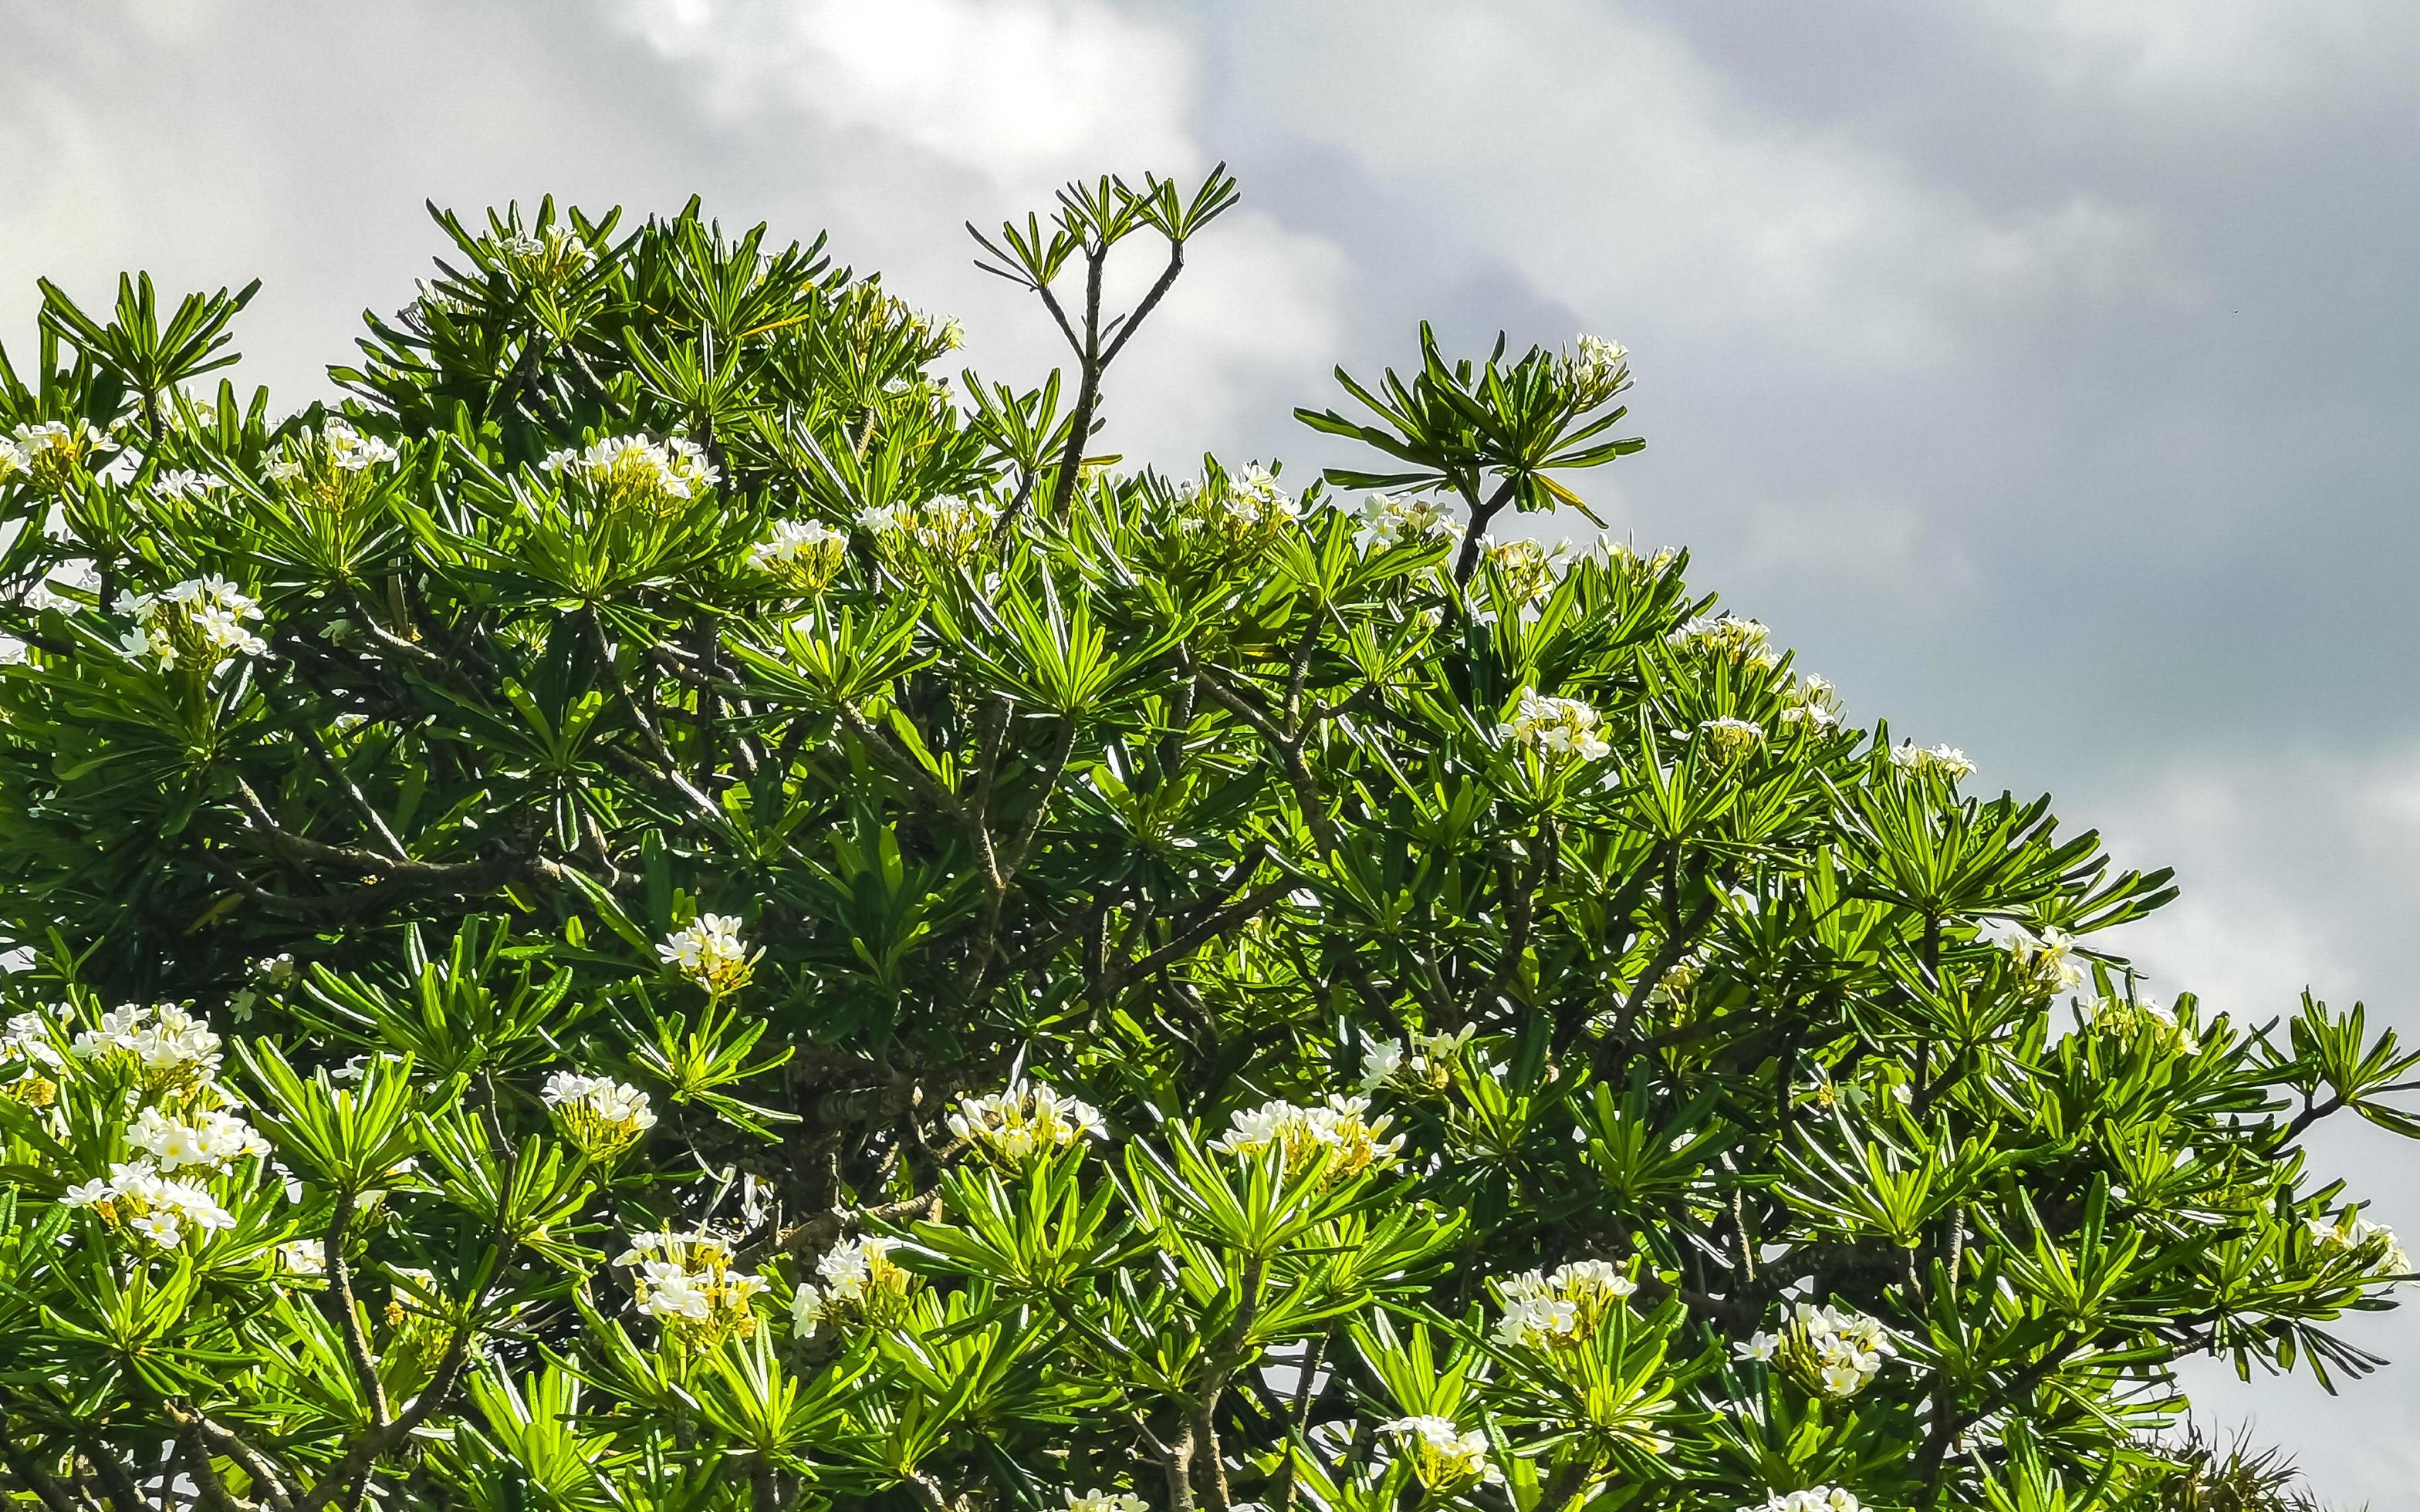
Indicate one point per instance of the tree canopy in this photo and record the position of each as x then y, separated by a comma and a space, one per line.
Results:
670, 907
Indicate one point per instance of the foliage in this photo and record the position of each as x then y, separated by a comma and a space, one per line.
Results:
717, 918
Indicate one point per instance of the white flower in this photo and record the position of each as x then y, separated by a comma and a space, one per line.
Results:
87, 1194
1441, 1454
634, 471
1733, 738
1948, 760
1835, 1350
1560, 727
686, 1282
1342, 1126
882, 520
600, 1117
2352, 1234
2045, 961
1594, 369
1389, 522
211, 1139
50, 452
862, 1283
1428, 1061
709, 952
1820, 1499
1100, 1501
1721, 635
1545, 1310
1757, 1347
1025, 1120
15, 460
302, 1256
805, 554
182, 483
199, 621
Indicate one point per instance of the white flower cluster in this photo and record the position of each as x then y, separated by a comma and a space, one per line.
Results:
1594, 369
1529, 569
1945, 760
1625, 560
1341, 1127
139, 1199
1813, 702
1835, 1350
2125, 1018
804, 554
600, 1117
633, 473
549, 257
331, 455
302, 1257
50, 452
184, 482
2045, 961
2353, 1234
183, 1132
1100, 1501
709, 952
1441, 1454
1026, 1119
1427, 1061
1389, 522
199, 622
949, 528
29, 1043
1244, 510
212, 1138
1557, 726
1733, 739
1545, 1310
686, 1282
170, 1050
1817, 1499
1747, 641
861, 1286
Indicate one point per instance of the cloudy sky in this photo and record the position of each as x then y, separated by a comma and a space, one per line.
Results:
2036, 366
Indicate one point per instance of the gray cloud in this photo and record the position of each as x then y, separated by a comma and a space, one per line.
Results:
2039, 367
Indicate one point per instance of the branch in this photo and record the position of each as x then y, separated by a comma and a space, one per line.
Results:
302, 849
1216, 923
1472, 533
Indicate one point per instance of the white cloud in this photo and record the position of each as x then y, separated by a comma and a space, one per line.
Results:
1601, 156
1024, 91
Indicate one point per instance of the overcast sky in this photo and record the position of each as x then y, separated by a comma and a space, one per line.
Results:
2042, 369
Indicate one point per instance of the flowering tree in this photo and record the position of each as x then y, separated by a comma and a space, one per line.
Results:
668, 909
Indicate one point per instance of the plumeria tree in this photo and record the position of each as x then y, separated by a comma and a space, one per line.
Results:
671, 908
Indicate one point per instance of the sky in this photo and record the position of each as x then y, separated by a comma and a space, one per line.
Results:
2038, 368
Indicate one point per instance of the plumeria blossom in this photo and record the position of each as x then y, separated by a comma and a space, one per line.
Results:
1441, 1454
1816, 1498
548, 258
51, 453
170, 1050
159, 1209
1342, 1126
1558, 727
183, 483
804, 554
1426, 1061
1814, 702
1529, 569
709, 952
302, 1257
1945, 760
2045, 961
1026, 1119
1387, 521
31, 1041
635, 473
1098, 1501
1733, 739
1836, 1351
687, 1284
1724, 636
209, 1138
600, 1117
1760, 1348
861, 1286
2128, 1017
15, 461
1548, 1310
1593, 369
2352, 1234
1624, 559
198, 623
948, 529
1244, 511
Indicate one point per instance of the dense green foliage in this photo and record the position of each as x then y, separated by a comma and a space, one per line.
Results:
785, 938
